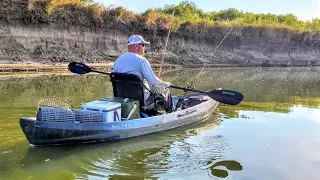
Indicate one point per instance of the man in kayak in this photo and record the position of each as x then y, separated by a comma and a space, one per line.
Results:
133, 62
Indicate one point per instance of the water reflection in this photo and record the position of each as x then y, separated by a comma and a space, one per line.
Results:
281, 108
228, 164
175, 152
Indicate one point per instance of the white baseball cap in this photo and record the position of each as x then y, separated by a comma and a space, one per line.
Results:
136, 39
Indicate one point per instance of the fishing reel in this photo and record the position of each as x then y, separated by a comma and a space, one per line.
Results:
181, 104
188, 86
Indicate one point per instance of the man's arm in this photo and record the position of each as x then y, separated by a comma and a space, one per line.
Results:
150, 76
147, 72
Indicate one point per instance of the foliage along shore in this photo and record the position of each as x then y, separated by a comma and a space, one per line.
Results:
185, 15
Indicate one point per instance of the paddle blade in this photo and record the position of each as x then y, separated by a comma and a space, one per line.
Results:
226, 96
79, 68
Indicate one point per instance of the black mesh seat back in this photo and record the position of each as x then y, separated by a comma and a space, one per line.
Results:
127, 86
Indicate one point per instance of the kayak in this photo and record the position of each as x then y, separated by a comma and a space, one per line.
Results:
70, 130
125, 114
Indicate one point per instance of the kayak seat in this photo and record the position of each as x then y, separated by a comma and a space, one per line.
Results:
130, 86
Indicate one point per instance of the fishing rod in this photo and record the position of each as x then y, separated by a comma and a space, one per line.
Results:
165, 47
190, 86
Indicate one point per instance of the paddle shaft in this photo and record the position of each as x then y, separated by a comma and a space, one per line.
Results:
223, 96
188, 89
101, 72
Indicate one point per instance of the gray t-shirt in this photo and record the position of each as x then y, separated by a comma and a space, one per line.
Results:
132, 63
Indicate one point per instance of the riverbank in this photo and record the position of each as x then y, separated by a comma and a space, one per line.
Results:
35, 67
39, 67
62, 39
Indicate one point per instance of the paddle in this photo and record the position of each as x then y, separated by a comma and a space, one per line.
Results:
223, 96
80, 68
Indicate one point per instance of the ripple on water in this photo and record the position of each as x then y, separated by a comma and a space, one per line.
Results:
180, 156
5, 152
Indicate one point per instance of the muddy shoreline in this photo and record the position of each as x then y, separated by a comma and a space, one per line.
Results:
63, 67
38, 67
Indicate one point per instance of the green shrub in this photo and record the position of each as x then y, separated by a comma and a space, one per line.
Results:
185, 16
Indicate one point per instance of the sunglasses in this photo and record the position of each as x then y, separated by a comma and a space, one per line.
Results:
140, 44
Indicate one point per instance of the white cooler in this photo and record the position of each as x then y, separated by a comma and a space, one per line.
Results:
111, 111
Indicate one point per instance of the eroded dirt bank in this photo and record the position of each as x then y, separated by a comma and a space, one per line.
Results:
51, 42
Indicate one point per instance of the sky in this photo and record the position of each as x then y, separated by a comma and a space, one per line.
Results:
303, 9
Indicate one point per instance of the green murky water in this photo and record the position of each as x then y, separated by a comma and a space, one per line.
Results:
273, 134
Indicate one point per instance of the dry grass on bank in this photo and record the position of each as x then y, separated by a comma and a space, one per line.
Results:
76, 12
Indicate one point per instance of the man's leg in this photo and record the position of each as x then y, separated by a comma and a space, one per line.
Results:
168, 101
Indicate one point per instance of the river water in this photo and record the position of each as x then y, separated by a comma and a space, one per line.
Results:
273, 134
